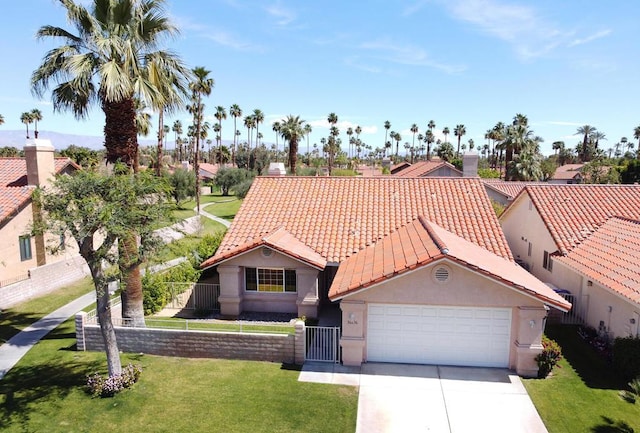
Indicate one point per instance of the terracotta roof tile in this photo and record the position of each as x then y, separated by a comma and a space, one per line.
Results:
424, 168
422, 242
567, 172
339, 216
572, 212
509, 189
611, 256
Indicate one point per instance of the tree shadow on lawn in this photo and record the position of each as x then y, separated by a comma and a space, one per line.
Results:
23, 387
611, 426
594, 370
9, 319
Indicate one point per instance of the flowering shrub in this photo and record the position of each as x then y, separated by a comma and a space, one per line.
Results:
100, 386
551, 354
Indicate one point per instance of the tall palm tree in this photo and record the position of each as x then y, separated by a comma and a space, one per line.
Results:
459, 131
36, 115
387, 126
275, 126
446, 132
520, 119
350, 135
177, 129
557, 146
201, 86
249, 123
431, 125
307, 130
585, 131
1, 119
220, 115
292, 130
519, 138
235, 111
397, 137
107, 62
429, 138
596, 136
636, 134
26, 118
258, 118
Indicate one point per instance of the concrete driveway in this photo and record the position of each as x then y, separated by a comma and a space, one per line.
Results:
426, 398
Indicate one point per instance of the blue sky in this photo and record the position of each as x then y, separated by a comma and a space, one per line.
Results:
474, 62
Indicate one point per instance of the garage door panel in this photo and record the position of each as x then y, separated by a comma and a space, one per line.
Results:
438, 335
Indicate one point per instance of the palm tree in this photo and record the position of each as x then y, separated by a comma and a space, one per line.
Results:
249, 123
36, 115
471, 144
636, 134
387, 126
109, 62
459, 131
235, 111
292, 130
26, 118
414, 130
397, 137
258, 117
177, 129
446, 132
1, 119
275, 126
585, 131
429, 138
220, 115
519, 137
350, 135
307, 130
557, 146
596, 136
520, 119
200, 86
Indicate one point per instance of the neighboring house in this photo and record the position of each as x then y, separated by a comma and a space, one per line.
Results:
420, 267
19, 251
583, 239
428, 169
504, 192
568, 174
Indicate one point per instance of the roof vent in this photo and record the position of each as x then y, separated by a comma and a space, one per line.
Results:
441, 274
267, 252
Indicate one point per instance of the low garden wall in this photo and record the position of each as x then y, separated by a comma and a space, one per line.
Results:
285, 348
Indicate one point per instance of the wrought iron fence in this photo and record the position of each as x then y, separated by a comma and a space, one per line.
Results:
194, 296
322, 343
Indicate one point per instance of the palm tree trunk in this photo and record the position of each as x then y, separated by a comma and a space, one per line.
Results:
131, 296
160, 136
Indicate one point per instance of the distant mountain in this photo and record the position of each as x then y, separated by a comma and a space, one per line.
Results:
59, 140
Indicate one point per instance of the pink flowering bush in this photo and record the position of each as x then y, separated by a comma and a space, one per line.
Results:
100, 386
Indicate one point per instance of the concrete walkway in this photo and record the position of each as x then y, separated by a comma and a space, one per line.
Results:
428, 398
13, 350
204, 213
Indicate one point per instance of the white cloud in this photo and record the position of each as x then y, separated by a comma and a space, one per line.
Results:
414, 7
282, 14
221, 37
593, 37
405, 54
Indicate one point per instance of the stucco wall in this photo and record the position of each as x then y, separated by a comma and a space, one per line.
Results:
496, 196
197, 344
235, 299
464, 288
10, 264
522, 224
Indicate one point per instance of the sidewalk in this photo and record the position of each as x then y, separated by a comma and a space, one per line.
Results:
13, 350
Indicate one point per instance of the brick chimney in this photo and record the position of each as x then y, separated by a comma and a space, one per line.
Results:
470, 164
41, 168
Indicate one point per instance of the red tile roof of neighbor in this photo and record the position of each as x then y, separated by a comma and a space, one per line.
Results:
14, 190
509, 189
611, 256
420, 243
423, 168
573, 212
338, 216
567, 171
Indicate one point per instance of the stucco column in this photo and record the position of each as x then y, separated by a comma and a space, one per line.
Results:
299, 342
353, 336
307, 286
528, 339
81, 319
231, 290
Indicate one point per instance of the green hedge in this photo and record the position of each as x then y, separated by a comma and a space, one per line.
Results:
551, 354
626, 357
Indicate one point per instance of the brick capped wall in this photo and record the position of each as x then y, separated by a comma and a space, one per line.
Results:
197, 344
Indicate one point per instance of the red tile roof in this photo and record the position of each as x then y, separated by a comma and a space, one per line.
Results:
424, 168
611, 256
339, 216
567, 172
14, 191
572, 212
280, 240
422, 242
508, 189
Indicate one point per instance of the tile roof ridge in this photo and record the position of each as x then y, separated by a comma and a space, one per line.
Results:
436, 239
619, 217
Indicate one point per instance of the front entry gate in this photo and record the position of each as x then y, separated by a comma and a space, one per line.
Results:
322, 343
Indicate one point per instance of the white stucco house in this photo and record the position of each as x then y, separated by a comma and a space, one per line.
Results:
419, 266
583, 239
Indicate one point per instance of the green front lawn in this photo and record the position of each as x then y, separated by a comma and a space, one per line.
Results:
18, 317
44, 392
582, 394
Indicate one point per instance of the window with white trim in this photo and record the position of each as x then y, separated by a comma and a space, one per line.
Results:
547, 261
25, 247
270, 280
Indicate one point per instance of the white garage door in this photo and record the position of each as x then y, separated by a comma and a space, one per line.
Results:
425, 334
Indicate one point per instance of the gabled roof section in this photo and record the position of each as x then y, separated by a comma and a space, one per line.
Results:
280, 240
422, 242
338, 216
573, 212
611, 256
399, 167
568, 172
425, 168
509, 189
